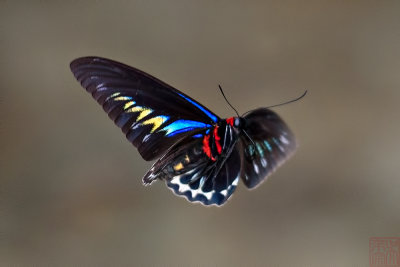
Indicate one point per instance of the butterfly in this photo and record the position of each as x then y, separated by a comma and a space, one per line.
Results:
199, 155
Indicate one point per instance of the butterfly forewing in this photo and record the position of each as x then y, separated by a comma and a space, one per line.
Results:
273, 144
152, 114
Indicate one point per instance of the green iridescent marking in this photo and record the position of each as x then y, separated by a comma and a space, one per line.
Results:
260, 149
250, 150
268, 145
275, 141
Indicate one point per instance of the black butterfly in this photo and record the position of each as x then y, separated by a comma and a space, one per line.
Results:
200, 156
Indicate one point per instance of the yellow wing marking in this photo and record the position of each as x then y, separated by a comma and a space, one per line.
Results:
143, 112
129, 104
121, 98
112, 96
178, 166
156, 121
187, 159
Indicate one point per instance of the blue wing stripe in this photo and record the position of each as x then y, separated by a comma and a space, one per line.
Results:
208, 113
181, 126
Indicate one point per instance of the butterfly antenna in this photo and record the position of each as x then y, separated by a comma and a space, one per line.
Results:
251, 140
222, 92
291, 101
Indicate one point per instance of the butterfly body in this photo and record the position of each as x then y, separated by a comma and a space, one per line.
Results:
199, 155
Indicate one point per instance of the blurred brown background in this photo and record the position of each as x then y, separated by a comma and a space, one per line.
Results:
70, 185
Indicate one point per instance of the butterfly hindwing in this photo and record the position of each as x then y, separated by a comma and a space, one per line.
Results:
273, 141
190, 171
152, 114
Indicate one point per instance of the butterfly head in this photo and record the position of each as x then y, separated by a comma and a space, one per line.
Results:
236, 122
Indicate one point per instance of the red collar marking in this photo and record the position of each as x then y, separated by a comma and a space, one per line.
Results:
230, 120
